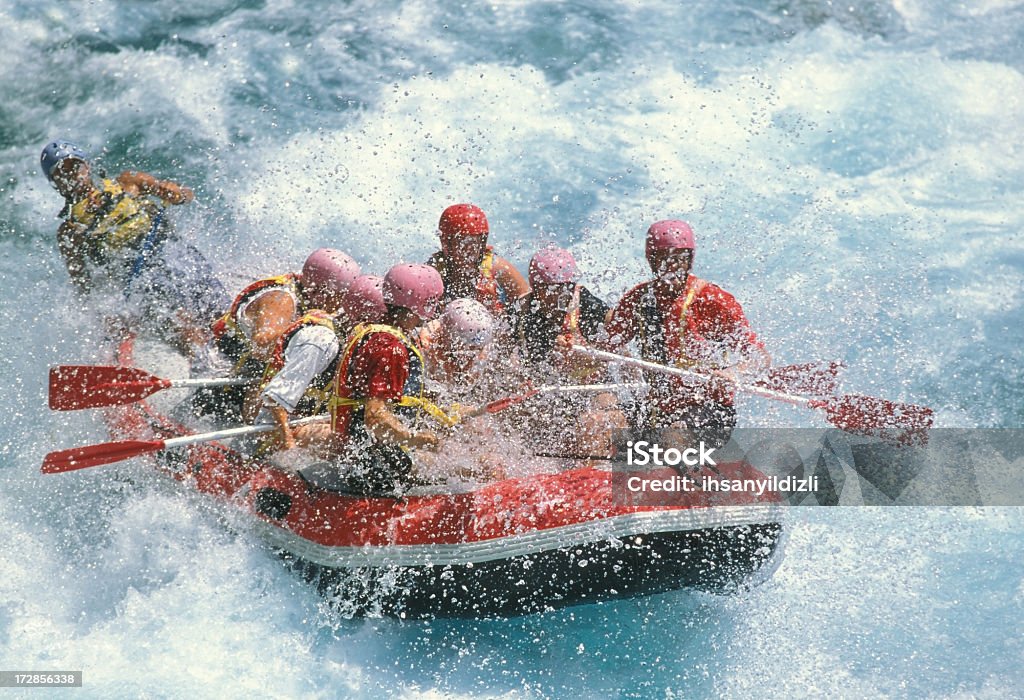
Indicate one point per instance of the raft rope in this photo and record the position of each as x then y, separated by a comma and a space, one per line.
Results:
147, 247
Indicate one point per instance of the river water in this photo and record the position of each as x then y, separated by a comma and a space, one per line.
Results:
854, 175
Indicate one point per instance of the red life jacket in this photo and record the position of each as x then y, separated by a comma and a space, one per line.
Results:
227, 333
347, 406
673, 340
228, 323
667, 339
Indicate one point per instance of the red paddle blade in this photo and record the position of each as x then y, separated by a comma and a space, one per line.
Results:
96, 455
502, 404
902, 423
74, 387
810, 379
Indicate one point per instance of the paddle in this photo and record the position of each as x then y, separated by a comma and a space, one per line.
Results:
502, 404
865, 415
812, 378
74, 387
108, 452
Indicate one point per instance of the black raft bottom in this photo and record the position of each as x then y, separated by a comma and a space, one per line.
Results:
719, 560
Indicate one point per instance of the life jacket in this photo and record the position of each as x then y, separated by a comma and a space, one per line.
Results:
114, 220
665, 340
670, 341
571, 322
318, 393
578, 370
228, 334
344, 404
487, 290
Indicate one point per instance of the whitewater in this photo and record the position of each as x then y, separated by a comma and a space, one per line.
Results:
854, 174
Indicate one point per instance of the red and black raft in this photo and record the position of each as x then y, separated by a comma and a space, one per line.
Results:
511, 547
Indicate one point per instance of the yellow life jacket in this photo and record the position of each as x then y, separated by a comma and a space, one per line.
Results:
571, 322
580, 371
318, 393
114, 219
487, 290
412, 393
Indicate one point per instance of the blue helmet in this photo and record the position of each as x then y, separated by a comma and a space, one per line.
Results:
57, 151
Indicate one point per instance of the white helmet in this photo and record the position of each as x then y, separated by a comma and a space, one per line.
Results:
469, 321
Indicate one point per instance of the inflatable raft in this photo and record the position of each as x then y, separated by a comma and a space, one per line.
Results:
510, 547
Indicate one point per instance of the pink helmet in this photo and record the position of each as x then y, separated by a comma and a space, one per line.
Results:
326, 275
469, 321
552, 266
415, 287
671, 234
363, 301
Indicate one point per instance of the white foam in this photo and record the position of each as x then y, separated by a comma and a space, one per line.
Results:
859, 193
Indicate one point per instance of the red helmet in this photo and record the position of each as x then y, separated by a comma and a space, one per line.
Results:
326, 275
363, 302
462, 220
671, 234
415, 287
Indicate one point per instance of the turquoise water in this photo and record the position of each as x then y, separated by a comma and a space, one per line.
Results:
853, 172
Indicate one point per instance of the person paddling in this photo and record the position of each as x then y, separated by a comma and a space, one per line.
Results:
378, 406
297, 381
249, 333
557, 313
681, 320
469, 266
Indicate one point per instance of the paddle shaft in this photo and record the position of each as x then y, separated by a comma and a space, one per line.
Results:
688, 374
587, 388
226, 381
502, 404
236, 432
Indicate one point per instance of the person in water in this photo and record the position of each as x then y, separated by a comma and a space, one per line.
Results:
469, 267
116, 237
683, 321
